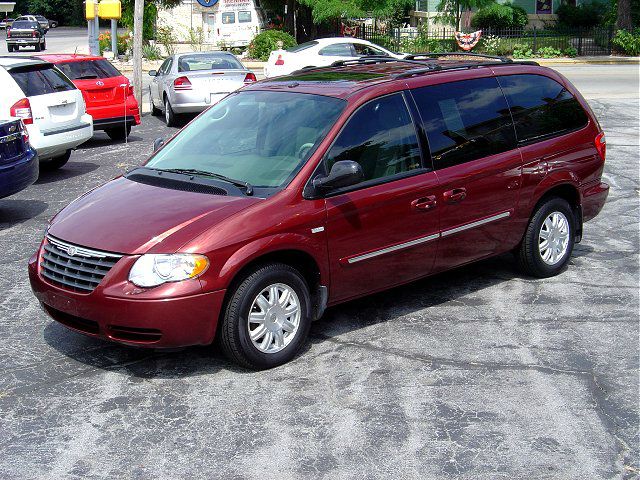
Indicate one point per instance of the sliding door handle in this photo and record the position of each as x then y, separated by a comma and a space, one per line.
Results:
456, 195
424, 203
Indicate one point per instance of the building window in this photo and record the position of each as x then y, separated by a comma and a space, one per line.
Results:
228, 18
544, 7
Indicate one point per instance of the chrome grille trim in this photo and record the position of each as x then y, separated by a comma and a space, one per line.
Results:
75, 267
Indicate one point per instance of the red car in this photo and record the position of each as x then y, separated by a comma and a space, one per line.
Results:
305, 191
107, 93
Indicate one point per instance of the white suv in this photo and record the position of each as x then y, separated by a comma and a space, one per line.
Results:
48, 103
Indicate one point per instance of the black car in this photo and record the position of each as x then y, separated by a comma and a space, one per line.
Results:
26, 34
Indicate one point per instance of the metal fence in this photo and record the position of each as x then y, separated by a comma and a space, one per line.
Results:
533, 41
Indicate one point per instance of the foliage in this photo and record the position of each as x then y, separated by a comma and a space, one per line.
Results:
124, 42
149, 20
585, 15
264, 43
610, 17
627, 42
70, 12
497, 16
167, 38
451, 10
570, 52
489, 44
548, 52
327, 9
522, 51
195, 38
151, 52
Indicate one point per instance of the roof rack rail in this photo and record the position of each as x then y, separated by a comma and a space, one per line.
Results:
369, 59
435, 56
434, 67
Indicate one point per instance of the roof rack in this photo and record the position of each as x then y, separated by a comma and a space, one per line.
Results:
435, 56
434, 67
370, 59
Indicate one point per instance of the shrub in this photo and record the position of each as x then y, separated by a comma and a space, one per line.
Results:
489, 44
585, 15
570, 52
520, 16
166, 37
494, 16
627, 42
548, 52
151, 52
522, 51
124, 42
264, 43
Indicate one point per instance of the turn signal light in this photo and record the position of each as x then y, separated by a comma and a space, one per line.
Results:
182, 83
22, 109
279, 61
601, 145
251, 77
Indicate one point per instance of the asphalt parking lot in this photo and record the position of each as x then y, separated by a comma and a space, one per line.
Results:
479, 373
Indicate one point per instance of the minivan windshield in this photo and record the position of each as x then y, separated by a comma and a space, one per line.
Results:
258, 137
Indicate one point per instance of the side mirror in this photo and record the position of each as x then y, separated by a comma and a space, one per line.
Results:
153, 73
157, 143
343, 174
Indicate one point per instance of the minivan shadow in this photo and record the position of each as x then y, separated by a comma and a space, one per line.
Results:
13, 212
352, 316
70, 170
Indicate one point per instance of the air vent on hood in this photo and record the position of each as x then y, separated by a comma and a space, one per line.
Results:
175, 184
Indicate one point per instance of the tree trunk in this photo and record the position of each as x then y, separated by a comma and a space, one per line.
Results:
624, 15
289, 17
138, 13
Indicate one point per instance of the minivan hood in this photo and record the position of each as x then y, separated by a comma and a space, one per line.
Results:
127, 217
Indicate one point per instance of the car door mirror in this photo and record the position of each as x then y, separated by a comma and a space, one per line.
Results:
157, 144
153, 73
343, 174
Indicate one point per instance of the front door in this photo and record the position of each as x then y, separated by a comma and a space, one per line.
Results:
209, 26
384, 231
479, 167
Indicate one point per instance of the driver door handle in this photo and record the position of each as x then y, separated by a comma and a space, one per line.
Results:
424, 203
456, 195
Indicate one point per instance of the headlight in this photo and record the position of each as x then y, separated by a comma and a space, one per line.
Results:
152, 270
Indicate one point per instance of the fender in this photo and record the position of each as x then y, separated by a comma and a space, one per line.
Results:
552, 180
315, 247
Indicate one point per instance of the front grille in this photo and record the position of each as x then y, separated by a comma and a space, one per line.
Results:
73, 267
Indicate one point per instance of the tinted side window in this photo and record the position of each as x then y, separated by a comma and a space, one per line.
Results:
465, 120
541, 107
337, 50
40, 80
381, 137
89, 69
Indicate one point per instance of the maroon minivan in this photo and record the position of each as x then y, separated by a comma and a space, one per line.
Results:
305, 191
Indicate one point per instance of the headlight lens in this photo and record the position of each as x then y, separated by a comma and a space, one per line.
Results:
152, 270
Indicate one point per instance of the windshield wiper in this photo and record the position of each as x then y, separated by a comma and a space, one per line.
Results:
192, 171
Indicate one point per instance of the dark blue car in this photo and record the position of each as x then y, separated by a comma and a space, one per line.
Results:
18, 160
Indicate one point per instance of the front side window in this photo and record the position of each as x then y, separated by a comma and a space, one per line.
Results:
228, 18
465, 120
541, 107
89, 69
244, 17
259, 137
40, 79
381, 137
164, 68
337, 50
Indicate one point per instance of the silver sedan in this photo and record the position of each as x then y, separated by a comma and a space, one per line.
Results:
191, 82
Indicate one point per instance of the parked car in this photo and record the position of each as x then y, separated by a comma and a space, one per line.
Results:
5, 23
107, 93
49, 105
309, 190
44, 23
53, 23
192, 82
24, 33
18, 160
322, 52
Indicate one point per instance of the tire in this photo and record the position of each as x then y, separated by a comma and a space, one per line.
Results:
555, 219
155, 111
234, 328
169, 116
118, 133
10, 48
44, 45
38, 47
57, 162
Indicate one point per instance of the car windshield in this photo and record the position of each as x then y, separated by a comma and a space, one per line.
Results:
190, 63
88, 69
258, 137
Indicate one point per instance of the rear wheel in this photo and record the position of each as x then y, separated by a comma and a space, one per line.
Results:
118, 133
267, 318
44, 45
56, 162
38, 47
10, 48
548, 242
169, 115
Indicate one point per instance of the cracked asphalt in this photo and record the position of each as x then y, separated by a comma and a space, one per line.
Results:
479, 373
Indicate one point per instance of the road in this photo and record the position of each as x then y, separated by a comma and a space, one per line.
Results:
480, 373
59, 40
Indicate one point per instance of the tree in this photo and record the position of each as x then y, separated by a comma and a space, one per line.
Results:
623, 21
451, 10
69, 12
150, 14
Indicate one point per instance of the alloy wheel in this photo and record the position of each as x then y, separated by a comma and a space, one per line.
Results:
553, 240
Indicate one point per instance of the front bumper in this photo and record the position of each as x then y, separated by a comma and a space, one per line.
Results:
114, 312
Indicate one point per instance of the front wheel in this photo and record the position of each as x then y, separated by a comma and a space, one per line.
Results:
548, 242
267, 318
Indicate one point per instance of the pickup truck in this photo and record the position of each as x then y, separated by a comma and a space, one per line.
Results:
26, 34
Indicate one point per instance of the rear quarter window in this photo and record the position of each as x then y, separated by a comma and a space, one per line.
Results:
541, 107
36, 80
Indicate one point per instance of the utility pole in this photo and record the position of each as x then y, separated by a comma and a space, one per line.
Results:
138, 14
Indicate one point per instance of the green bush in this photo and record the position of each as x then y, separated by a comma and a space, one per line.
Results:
124, 42
585, 15
548, 52
522, 51
151, 52
494, 16
264, 43
570, 52
627, 42
520, 16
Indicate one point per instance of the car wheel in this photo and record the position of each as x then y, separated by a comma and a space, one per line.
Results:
155, 111
118, 133
44, 45
548, 240
10, 48
38, 47
169, 115
267, 318
56, 162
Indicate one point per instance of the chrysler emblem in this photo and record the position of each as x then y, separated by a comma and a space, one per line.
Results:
99, 83
72, 251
